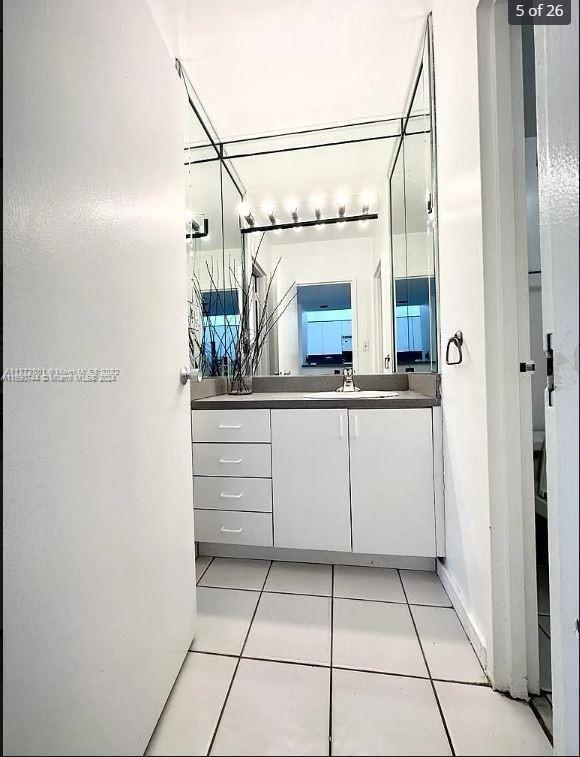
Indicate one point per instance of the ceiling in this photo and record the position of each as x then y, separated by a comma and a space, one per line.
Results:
333, 296
264, 66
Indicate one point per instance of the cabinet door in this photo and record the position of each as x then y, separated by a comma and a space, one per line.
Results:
391, 470
310, 482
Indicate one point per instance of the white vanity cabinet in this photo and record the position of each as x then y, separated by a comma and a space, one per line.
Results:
310, 484
366, 481
391, 479
232, 486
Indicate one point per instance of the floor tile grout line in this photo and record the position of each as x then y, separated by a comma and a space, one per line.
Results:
341, 667
162, 713
204, 571
428, 669
238, 662
326, 596
331, 650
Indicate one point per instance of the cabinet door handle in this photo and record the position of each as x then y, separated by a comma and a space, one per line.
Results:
355, 417
231, 530
223, 495
341, 426
230, 425
233, 462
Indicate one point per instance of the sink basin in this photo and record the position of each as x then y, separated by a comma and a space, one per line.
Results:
363, 395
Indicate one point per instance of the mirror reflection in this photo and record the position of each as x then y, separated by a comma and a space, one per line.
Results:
412, 238
313, 252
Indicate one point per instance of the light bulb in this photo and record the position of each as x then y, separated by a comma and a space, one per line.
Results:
316, 201
341, 200
367, 199
270, 210
291, 205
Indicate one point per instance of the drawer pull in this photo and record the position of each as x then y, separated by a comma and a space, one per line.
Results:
226, 425
233, 462
223, 495
231, 530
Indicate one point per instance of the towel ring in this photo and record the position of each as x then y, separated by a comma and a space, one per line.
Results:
457, 340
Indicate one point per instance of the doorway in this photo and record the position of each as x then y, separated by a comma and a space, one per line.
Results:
382, 359
325, 326
515, 548
538, 377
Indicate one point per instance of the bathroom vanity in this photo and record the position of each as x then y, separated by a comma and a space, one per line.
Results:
298, 290
353, 473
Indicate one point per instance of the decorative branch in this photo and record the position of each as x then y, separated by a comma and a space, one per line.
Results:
240, 346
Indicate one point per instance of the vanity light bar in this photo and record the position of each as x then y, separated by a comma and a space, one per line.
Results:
317, 222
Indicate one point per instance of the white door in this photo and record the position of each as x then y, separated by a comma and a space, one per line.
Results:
556, 50
311, 500
99, 588
391, 480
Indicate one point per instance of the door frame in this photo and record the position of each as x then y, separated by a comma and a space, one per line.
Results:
513, 648
513, 663
379, 322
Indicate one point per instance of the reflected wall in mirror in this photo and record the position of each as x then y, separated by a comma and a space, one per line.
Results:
333, 264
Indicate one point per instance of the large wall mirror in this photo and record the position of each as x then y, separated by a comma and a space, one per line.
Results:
214, 245
413, 230
316, 251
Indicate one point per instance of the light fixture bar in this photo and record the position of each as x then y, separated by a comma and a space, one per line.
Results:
301, 224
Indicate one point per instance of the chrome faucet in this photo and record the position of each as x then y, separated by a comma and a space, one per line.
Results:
348, 382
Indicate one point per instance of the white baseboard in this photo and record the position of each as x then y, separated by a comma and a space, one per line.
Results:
314, 556
471, 629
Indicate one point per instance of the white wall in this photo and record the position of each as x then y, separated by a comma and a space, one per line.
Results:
462, 307
327, 261
418, 260
98, 521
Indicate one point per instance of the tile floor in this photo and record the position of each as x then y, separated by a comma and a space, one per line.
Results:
302, 659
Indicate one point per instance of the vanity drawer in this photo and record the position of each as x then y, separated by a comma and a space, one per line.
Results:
237, 460
231, 425
230, 527
228, 493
